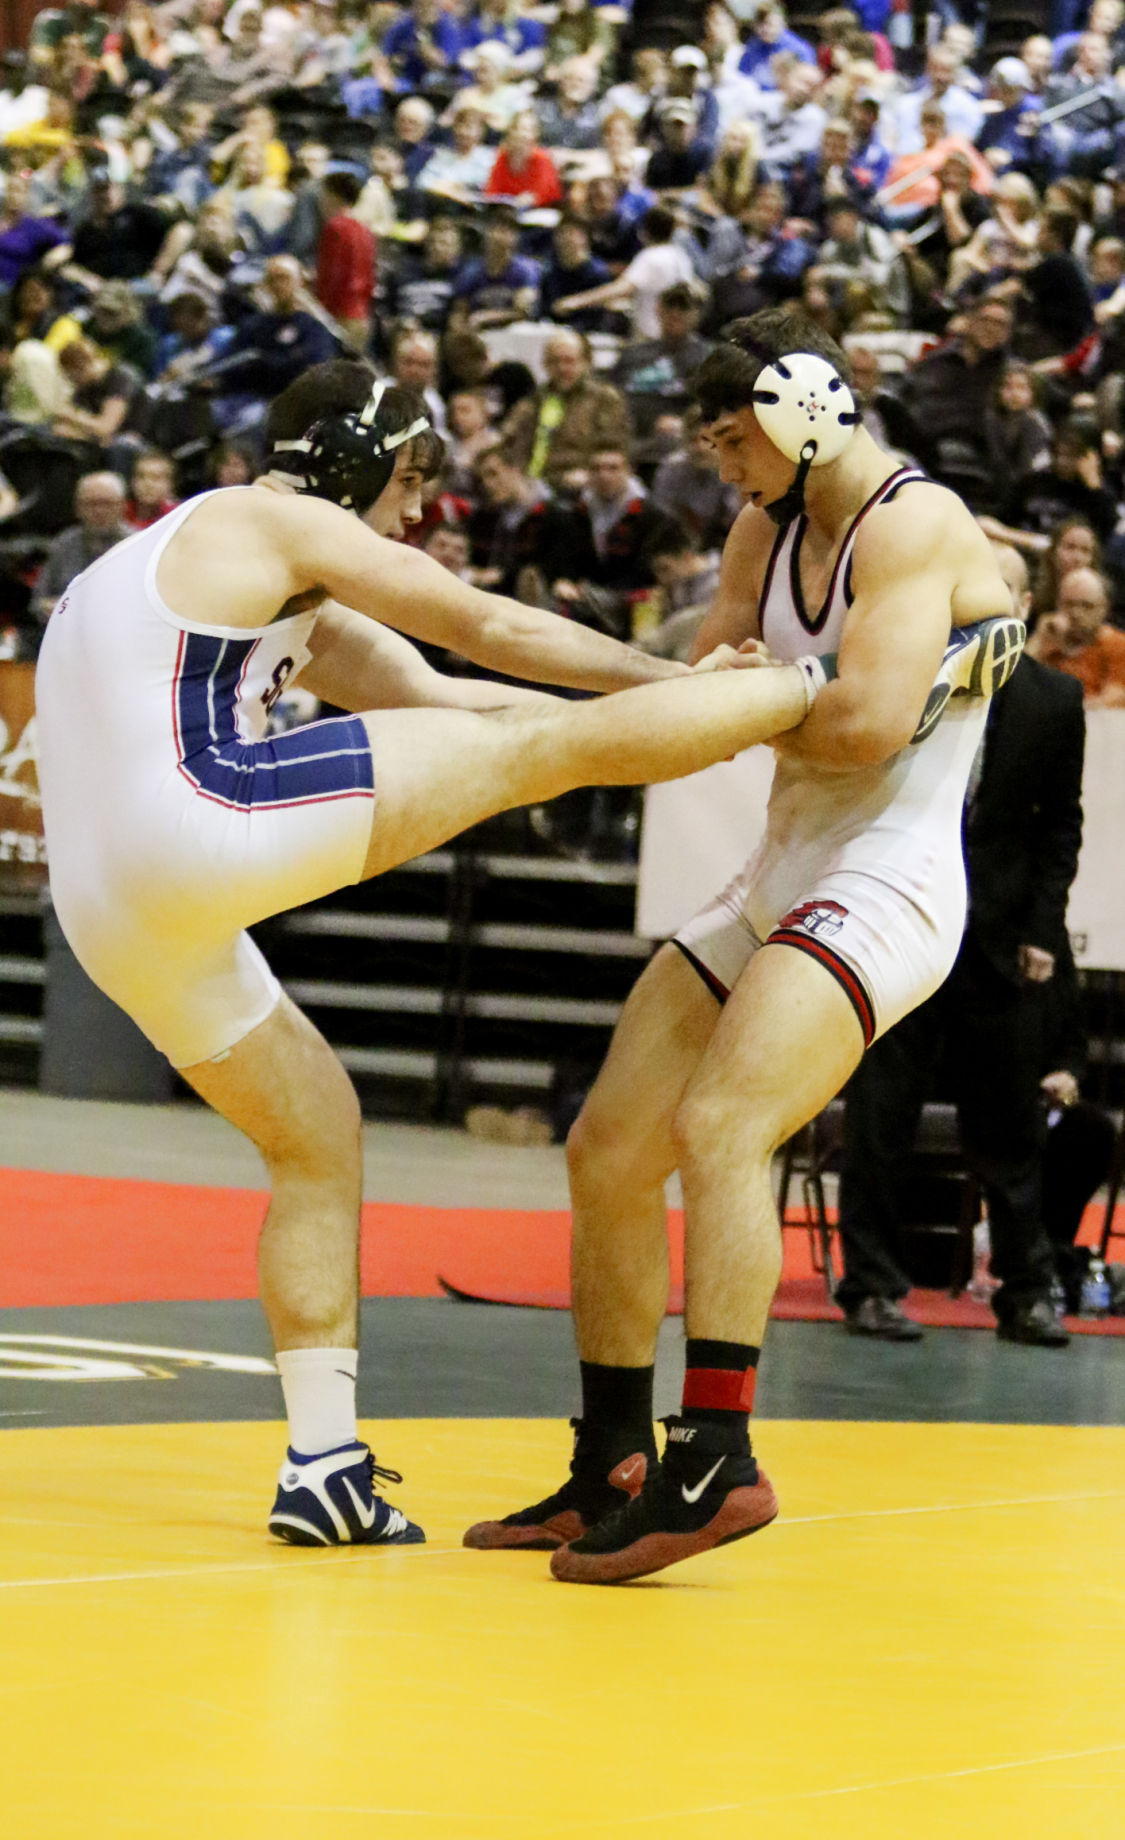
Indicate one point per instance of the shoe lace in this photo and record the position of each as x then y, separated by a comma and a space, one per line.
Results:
385, 1475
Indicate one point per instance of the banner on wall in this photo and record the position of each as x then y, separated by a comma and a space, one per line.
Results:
23, 850
699, 831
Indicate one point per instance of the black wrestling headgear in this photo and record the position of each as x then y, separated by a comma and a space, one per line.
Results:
346, 459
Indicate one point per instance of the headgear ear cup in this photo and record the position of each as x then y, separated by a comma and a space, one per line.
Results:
344, 458
801, 401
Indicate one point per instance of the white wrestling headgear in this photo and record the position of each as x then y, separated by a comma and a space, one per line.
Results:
805, 408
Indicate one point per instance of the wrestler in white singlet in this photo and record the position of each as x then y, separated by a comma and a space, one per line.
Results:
203, 825
863, 870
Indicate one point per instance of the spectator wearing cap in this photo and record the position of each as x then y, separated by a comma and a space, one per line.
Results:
81, 18
655, 373
1009, 134
573, 269
659, 265
553, 434
680, 154
962, 111
524, 171
422, 46
116, 324
497, 286
870, 159
769, 34
688, 82
525, 39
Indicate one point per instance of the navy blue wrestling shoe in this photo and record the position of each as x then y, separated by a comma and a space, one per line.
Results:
978, 661
330, 1500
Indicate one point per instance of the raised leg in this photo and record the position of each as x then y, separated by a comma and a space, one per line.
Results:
439, 771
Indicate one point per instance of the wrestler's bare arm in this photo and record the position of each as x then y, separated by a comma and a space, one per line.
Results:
915, 575
406, 589
734, 615
357, 664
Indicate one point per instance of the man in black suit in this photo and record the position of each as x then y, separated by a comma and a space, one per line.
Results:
1023, 828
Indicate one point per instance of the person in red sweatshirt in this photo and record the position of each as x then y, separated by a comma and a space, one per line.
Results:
523, 171
345, 261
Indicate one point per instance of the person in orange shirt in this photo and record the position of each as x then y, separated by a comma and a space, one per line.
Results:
523, 171
1077, 638
913, 183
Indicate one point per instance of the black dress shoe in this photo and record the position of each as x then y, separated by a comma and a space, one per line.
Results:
1034, 1323
883, 1317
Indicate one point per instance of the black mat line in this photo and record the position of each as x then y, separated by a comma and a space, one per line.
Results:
424, 1358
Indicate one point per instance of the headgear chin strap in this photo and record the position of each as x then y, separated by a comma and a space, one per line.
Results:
344, 458
805, 408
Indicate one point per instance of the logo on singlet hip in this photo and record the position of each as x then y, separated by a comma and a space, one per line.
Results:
820, 919
281, 673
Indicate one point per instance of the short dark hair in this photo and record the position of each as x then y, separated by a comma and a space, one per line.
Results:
343, 185
658, 224
728, 375
342, 387
1062, 224
681, 297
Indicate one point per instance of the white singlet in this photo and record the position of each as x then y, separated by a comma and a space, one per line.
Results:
862, 870
172, 822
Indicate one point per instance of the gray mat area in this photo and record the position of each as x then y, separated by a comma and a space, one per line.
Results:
448, 1360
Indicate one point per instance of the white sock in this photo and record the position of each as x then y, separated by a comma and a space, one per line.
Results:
319, 1388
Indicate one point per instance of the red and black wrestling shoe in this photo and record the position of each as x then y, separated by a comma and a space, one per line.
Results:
707, 1491
607, 1470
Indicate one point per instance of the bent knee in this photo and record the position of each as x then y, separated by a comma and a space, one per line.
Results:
603, 1146
710, 1124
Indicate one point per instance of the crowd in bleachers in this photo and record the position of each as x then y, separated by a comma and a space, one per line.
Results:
542, 217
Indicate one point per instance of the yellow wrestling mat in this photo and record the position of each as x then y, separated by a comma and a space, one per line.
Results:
930, 1642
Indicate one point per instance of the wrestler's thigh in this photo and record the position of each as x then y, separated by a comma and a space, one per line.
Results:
285, 1088
788, 1039
439, 771
661, 1036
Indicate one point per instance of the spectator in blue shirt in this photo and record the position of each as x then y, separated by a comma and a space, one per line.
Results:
498, 286
770, 34
870, 159
423, 46
963, 113
1009, 138
525, 38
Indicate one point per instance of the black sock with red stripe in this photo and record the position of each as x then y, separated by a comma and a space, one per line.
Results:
719, 1385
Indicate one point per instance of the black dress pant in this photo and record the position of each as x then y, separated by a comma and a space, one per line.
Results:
985, 1032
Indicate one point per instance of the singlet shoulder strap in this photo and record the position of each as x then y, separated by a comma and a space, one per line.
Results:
777, 568
883, 495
